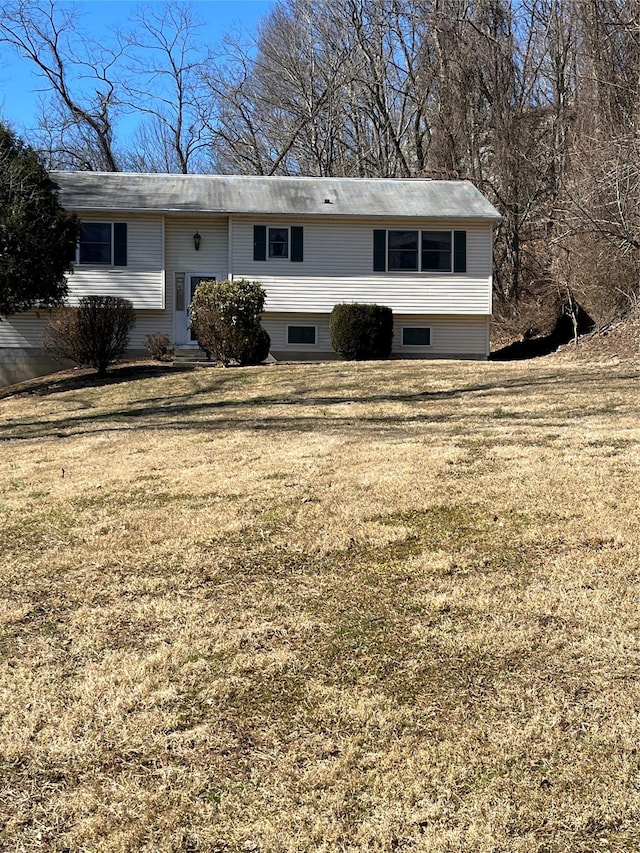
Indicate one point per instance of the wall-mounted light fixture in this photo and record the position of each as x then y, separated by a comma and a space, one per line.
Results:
196, 241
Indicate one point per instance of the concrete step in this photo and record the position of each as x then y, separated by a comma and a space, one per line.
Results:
190, 355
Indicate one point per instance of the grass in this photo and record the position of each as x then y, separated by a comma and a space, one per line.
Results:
343, 607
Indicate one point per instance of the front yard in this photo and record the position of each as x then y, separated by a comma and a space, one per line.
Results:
371, 606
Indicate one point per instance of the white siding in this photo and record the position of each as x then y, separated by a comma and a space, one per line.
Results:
276, 325
142, 280
149, 323
451, 336
338, 267
25, 330
181, 256
466, 337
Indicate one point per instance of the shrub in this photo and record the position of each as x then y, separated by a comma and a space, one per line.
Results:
96, 333
158, 346
361, 331
61, 336
225, 318
254, 348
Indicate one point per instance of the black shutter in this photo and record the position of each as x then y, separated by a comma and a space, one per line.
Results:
459, 251
259, 242
296, 243
120, 244
379, 250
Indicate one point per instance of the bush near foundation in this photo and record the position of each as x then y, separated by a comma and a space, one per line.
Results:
225, 318
361, 331
158, 346
254, 347
96, 333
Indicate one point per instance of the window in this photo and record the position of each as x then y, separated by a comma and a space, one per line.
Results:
419, 251
301, 335
103, 243
95, 243
436, 251
413, 336
402, 250
278, 242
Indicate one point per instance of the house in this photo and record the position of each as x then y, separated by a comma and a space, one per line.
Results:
421, 247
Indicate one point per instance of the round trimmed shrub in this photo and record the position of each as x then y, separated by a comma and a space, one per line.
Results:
360, 331
254, 346
225, 318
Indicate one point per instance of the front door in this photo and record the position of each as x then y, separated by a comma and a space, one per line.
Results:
185, 288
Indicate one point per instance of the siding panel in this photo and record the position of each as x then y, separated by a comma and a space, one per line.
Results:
25, 330
451, 336
338, 267
212, 257
141, 281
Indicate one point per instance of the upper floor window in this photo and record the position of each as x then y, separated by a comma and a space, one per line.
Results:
419, 251
436, 251
278, 242
402, 250
95, 243
103, 243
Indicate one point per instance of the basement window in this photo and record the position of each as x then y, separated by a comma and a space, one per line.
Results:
306, 335
414, 336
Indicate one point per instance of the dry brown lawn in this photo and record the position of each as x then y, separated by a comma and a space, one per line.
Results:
343, 607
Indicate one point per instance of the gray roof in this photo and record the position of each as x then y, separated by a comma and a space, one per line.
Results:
296, 196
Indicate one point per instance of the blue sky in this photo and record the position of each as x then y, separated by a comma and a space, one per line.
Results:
19, 85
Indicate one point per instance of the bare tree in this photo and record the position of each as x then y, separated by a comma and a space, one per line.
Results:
600, 215
535, 101
161, 81
78, 74
279, 101
151, 75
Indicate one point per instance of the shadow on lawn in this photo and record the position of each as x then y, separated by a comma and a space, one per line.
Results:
82, 378
186, 413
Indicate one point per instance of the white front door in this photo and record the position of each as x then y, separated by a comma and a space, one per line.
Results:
184, 297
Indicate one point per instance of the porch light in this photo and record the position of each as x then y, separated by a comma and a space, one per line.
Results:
196, 241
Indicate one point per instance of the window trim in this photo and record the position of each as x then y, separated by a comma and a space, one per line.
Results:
417, 346
313, 326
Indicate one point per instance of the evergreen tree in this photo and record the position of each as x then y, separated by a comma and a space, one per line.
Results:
37, 237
